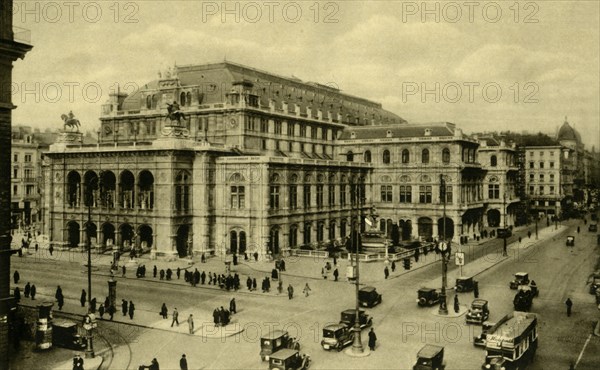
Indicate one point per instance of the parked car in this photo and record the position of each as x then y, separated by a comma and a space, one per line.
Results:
570, 241
348, 318
479, 340
521, 278
276, 340
368, 296
430, 357
289, 359
465, 284
503, 232
336, 336
478, 312
593, 228
65, 334
595, 282
427, 297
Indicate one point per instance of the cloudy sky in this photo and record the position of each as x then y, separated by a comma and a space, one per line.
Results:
481, 65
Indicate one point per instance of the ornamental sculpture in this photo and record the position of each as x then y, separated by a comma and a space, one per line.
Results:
70, 122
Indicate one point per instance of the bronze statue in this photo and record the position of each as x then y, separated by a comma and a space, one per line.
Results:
71, 122
174, 113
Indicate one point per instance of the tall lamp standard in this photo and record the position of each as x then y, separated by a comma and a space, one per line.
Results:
357, 347
89, 351
504, 252
443, 247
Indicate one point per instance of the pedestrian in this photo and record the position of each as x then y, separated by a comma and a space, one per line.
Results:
456, 305
529, 234
324, 272
216, 317
77, 362
82, 298
169, 274
93, 305
58, 292
51, 249
393, 266
202, 258
154, 271
476, 289
36, 247
164, 311
175, 317
131, 309
504, 251
569, 304
249, 283
334, 261
232, 306
335, 274
17, 294
190, 321
386, 272
33, 291
101, 311
254, 285
27, 290
255, 256
306, 290
162, 274
124, 307
578, 229
16, 277
154, 365
183, 363
372, 340
178, 276
123, 270
519, 240
290, 290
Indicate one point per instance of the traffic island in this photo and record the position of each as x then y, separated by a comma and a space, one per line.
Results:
350, 352
462, 309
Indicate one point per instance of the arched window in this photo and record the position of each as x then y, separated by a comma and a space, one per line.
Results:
493, 161
367, 156
188, 98
233, 242
386, 156
446, 155
182, 191
149, 102
350, 156
405, 156
307, 231
425, 156
274, 240
293, 236
182, 99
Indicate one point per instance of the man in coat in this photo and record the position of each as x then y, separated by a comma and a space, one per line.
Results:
190, 321
175, 317
386, 272
82, 298
16, 277
456, 305
569, 304
124, 307
290, 291
232, 306
372, 340
183, 363
131, 309
33, 291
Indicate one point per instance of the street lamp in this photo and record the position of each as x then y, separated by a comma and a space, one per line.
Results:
89, 351
504, 252
443, 247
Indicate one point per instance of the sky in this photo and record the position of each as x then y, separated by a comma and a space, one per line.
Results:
484, 66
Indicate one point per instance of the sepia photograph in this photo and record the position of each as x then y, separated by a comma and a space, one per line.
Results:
294, 185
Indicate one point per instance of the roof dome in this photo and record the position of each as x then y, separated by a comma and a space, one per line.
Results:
566, 132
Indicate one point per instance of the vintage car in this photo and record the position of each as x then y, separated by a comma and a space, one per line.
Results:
427, 297
276, 340
503, 232
336, 336
570, 241
479, 341
478, 312
595, 282
65, 334
523, 299
289, 359
430, 357
348, 318
465, 284
593, 228
368, 297
521, 278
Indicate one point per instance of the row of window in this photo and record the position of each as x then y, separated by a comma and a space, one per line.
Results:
304, 131
29, 190
542, 177
27, 174
425, 194
541, 190
541, 164
27, 157
307, 228
541, 154
405, 157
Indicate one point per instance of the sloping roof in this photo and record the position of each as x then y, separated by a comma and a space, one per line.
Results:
405, 130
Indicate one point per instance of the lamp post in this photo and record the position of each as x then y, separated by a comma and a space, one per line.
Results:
504, 252
443, 310
89, 351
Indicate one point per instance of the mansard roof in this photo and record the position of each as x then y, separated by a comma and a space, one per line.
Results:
435, 129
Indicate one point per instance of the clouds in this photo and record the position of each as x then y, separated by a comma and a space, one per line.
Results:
365, 48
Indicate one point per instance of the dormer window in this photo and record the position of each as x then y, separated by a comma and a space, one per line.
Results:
388, 133
427, 132
353, 135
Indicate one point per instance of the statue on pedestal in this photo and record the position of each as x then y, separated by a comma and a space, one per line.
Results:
71, 122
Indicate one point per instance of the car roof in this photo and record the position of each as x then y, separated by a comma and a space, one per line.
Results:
367, 289
464, 278
282, 354
429, 351
352, 310
274, 334
479, 302
426, 289
334, 327
521, 273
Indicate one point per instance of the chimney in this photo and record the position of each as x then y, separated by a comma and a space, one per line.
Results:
458, 133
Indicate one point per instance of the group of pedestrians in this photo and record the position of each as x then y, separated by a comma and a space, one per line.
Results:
222, 316
140, 272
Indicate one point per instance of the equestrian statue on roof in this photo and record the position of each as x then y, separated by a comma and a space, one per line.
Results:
175, 114
70, 122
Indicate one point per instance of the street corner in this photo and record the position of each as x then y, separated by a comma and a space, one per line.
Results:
212, 331
88, 363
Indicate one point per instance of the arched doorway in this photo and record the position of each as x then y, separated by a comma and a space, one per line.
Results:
108, 189
493, 218
146, 190
126, 187
108, 235
73, 234
182, 240
449, 228
274, 241
233, 242
242, 245
126, 236
405, 229
73, 189
425, 227
146, 238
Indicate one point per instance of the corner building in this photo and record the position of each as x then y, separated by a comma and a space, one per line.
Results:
255, 166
